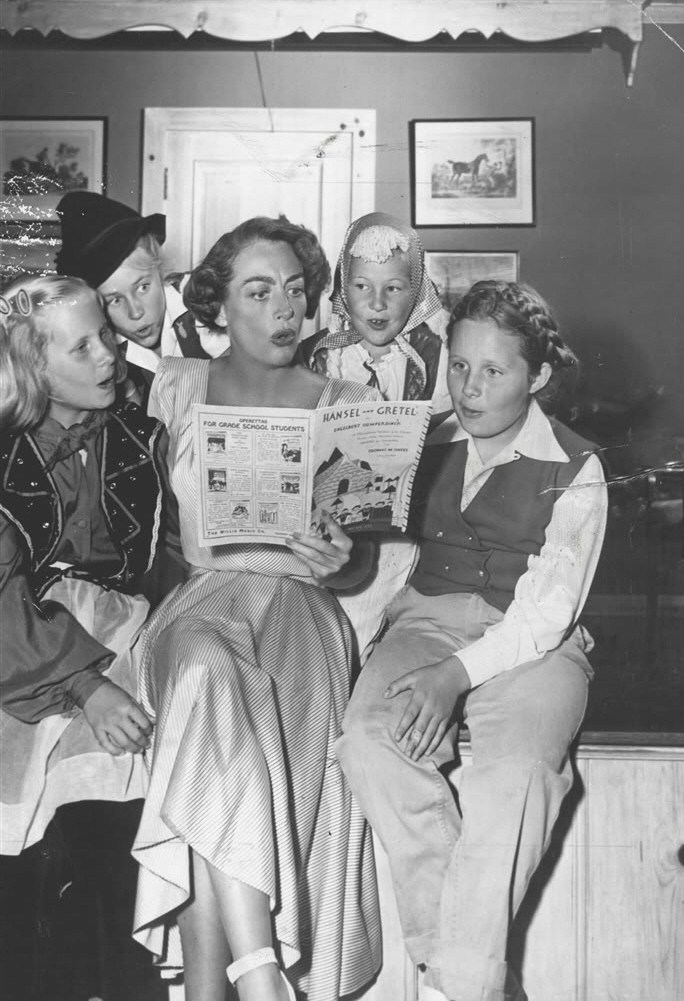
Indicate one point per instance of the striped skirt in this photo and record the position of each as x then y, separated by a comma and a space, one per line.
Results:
247, 677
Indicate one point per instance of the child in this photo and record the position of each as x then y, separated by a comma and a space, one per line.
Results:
387, 322
117, 251
79, 518
510, 532
385, 331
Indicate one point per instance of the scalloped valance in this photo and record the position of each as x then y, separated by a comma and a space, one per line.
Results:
265, 20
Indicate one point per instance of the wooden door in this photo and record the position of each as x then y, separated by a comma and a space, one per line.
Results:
208, 169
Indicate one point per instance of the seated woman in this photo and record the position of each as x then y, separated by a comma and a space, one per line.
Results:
249, 837
80, 511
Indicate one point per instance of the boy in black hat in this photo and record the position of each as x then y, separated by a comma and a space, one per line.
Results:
118, 252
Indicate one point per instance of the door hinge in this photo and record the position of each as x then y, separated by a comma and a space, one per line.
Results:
166, 183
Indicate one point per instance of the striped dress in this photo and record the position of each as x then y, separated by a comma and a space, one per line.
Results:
245, 669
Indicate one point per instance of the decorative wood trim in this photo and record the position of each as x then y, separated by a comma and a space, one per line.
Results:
618, 752
407, 20
664, 13
262, 20
614, 744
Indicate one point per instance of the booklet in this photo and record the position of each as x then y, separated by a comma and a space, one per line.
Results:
265, 473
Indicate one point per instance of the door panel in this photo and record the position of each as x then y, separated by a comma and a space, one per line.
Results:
208, 169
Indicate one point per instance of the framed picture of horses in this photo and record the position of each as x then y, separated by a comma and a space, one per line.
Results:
454, 271
43, 158
472, 172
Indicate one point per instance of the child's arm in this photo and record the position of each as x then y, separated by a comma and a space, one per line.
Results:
550, 595
117, 720
49, 663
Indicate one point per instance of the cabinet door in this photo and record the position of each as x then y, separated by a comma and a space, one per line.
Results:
635, 878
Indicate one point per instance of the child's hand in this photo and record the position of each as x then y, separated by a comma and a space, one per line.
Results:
436, 688
324, 555
117, 720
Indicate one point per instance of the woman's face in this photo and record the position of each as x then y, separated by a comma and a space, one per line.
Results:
265, 303
379, 299
490, 383
80, 365
135, 299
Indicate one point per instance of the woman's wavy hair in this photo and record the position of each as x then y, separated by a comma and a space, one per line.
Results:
24, 334
518, 309
206, 289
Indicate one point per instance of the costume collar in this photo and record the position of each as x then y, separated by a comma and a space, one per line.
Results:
57, 443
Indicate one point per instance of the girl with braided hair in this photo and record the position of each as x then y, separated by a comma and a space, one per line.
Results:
510, 520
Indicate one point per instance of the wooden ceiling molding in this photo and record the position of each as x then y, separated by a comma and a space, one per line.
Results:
407, 20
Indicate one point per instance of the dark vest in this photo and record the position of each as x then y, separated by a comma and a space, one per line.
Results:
129, 463
487, 547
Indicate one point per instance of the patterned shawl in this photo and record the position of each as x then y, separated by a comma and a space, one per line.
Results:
425, 298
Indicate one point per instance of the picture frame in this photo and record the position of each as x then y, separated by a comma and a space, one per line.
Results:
472, 172
43, 158
454, 271
26, 254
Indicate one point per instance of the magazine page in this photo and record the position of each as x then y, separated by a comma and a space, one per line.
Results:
365, 458
254, 473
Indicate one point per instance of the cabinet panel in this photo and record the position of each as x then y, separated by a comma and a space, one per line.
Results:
604, 916
635, 881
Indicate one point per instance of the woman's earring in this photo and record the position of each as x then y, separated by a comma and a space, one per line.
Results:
5, 308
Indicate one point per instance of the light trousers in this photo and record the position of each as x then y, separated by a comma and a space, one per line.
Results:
461, 864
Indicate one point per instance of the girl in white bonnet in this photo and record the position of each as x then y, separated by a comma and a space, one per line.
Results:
387, 331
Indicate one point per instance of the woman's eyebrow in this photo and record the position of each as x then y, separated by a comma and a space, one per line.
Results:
271, 281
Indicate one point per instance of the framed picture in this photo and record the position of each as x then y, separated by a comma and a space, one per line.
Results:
472, 172
453, 272
27, 249
43, 158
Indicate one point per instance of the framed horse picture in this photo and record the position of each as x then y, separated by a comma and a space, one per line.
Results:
472, 172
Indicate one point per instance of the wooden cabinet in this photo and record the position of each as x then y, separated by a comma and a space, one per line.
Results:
604, 918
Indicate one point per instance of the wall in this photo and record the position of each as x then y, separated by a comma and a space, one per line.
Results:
608, 246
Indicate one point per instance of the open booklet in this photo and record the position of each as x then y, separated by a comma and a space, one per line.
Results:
265, 473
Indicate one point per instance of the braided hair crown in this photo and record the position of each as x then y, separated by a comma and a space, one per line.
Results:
520, 310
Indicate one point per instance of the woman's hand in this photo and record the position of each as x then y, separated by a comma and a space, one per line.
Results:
435, 690
324, 555
117, 720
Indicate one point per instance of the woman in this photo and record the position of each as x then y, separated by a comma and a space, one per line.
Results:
249, 836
